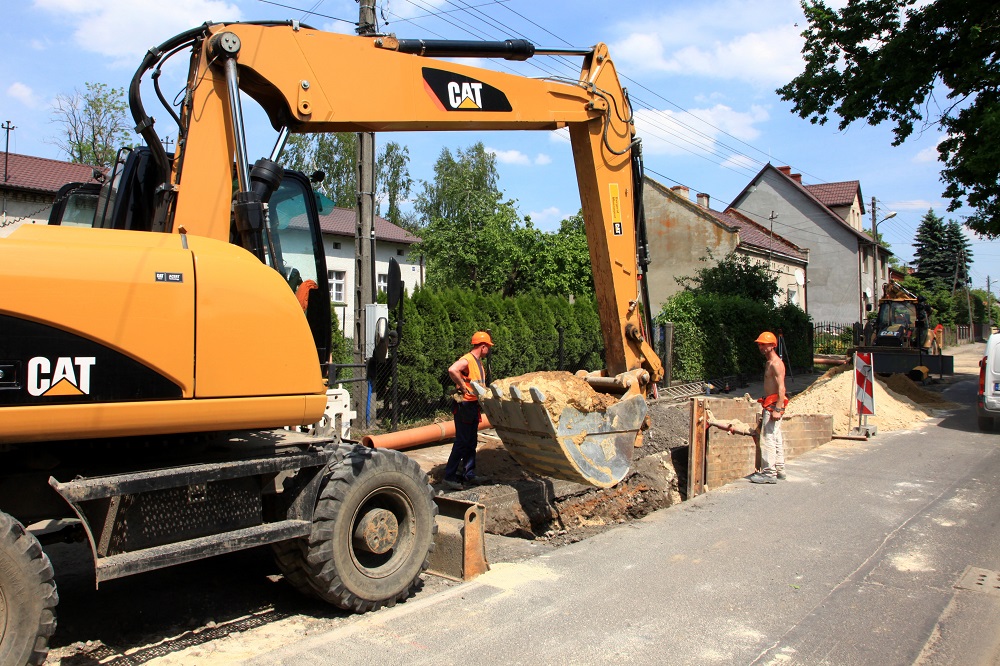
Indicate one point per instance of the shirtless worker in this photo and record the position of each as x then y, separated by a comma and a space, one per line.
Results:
772, 447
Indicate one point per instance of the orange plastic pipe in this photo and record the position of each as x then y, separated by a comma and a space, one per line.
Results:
407, 439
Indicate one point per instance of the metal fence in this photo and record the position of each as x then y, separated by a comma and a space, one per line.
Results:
835, 338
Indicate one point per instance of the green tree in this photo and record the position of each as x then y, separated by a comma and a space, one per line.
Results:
884, 60
561, 260
735, 275
392, 180
336, 155
959, 251
472, 236
94, 124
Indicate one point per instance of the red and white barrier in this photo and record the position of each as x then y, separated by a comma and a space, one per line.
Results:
864, 384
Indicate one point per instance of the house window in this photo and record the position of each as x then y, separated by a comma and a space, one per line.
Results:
337, 279
336, 245
793, 296
383, 282
864, 261
399, 253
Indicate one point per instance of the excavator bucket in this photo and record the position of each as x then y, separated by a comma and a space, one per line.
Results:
591, 444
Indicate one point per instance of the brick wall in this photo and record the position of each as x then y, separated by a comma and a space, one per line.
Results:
730, 457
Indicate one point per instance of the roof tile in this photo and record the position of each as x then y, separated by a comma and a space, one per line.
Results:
39, 174
754, 234
835, 194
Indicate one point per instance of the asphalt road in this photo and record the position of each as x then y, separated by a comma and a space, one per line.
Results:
868, 554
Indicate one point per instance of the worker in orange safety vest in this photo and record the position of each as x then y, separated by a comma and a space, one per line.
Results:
461, 467
772, 445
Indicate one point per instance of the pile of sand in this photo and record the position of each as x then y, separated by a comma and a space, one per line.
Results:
560, 389
833, 393
903, 385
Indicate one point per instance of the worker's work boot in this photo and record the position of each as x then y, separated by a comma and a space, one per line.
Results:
478, 480
448, 484
762, 478
781, 475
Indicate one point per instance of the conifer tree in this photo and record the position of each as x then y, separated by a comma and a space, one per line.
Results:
959, 252
930, 249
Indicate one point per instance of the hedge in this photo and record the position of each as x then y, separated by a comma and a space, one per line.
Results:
714, 335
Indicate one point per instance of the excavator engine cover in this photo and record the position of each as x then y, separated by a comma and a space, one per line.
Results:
593, 448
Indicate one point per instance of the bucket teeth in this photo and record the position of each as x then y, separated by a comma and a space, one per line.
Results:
594, 448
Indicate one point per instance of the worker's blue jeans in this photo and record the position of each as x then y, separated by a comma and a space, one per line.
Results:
462, 461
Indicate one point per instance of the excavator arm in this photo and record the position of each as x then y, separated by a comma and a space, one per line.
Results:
312, 81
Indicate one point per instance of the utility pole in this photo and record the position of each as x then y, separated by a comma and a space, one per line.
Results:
989, 304
364, 238
874, 255
7, 127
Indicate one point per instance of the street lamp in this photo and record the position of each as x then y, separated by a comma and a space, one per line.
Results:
875, 245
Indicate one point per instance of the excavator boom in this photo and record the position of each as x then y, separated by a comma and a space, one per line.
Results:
312, 81
300, 76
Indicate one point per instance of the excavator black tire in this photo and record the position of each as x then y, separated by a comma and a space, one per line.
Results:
28, 596
330, 565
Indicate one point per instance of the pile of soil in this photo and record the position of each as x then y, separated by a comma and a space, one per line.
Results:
903, 385
833, 393
560, 389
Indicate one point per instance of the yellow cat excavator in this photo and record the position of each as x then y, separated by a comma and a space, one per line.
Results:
149, 359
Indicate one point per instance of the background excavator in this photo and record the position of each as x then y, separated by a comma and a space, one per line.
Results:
150, 357
902, 339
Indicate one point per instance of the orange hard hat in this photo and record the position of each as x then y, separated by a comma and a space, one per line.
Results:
766, 338
480, 337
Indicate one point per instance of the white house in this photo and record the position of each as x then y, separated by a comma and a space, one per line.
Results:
29, 187
391, 241
826, 221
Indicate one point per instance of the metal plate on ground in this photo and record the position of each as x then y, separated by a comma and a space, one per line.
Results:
980, 580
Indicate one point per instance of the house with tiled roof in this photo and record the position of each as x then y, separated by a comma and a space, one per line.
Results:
30, 185
391, 242
683, 235
827, 220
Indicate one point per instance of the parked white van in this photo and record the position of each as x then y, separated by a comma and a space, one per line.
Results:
988, 403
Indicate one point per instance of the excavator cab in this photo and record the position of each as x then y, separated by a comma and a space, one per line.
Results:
126, 199
895, 323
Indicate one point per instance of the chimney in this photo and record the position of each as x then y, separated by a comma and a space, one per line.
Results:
785, 170
683, 191
797, 177
703, 200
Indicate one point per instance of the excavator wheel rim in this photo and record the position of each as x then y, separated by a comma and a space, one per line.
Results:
388, 498
26, 624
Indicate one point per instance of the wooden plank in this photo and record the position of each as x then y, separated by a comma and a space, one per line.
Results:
696, 449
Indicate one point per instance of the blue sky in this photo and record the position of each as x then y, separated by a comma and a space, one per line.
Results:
701, 76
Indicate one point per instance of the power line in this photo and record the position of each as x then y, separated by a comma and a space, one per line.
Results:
308, 12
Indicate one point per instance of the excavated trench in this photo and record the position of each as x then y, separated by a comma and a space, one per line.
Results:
520, 504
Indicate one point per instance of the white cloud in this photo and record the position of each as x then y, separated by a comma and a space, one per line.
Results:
929, 154
916, 204
559, 136
24, 94
768, 58
125, 29
698, 130
510, 156
546, 217
519, 158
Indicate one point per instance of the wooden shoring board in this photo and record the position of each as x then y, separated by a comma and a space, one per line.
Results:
697, 449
